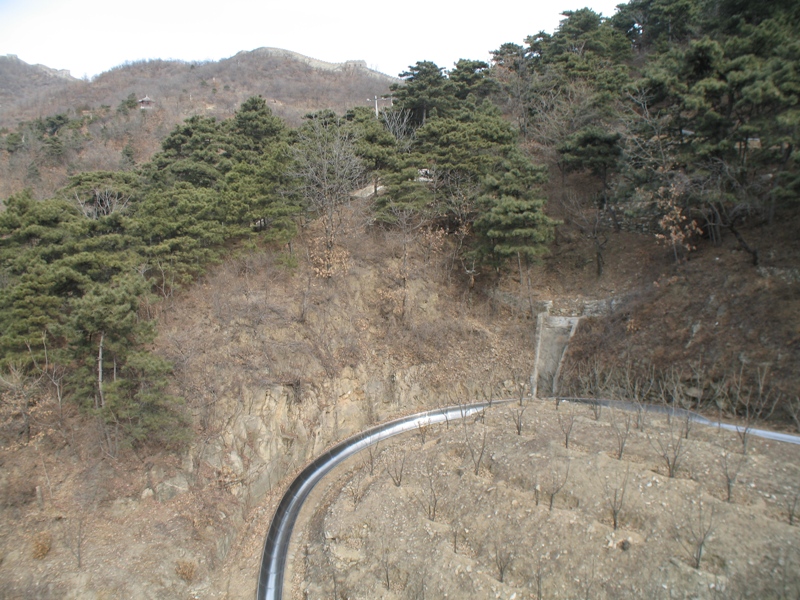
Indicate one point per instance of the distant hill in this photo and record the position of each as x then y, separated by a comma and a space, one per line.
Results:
100, 109
21, 82
294, 82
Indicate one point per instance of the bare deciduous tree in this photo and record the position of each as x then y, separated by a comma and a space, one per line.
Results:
395, 470
590, 222
597, 409
327, 170
791, 500
537, 579
621, 431
566, 423
687, 423
476, 450
17, 397
399, 124
356, 488
422, 429
101, 202
730, 469
456, 529
671, 449
793, 408
74, 535
696, 531
385, 565
429, 498
558, 479
615, 498
369, 457
54, 373
520, 386
516, 416
752, 405
586, 579
503, 556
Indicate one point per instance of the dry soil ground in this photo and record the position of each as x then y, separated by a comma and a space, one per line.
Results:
461, 525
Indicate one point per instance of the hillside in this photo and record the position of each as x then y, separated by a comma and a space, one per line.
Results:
21, 83
287, 77
539, 518
192, 309
106, 131
276, 364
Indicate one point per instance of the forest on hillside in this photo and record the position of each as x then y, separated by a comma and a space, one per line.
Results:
682, 115
103, 128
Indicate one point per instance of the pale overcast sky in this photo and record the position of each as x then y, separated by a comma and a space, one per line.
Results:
88, 37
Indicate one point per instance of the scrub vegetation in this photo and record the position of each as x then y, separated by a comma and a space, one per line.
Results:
197, 298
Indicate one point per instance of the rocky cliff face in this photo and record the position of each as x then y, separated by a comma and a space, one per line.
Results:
278, 365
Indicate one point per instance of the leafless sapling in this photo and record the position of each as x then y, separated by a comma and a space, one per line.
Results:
422, 429
791, 500
752, 405
519, 385
503, 556
516, 416
670, 387
370, 457
385, 565
730, 469
445, 414
641, 416
587, 578
615, 498
428, 499
793, 408
417, 582
622, 429
687, 424
566, 423
54, 372
356, 488
19, 397
671, 449
456, 529
558, 479
636, 389
696, 532
395, 470
537, 579
74, 534
597, 409
536, 487
476, 450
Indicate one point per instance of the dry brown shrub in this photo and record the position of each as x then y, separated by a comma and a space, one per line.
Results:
17, 491
41, 544
185, 569
390, 302
328, 262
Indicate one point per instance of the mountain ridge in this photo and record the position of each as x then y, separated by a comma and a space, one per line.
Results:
104, 108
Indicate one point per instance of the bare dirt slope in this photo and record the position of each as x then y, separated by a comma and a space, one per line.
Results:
277, 364
528, 517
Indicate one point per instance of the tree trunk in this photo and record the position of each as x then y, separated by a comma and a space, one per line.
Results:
100, 371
